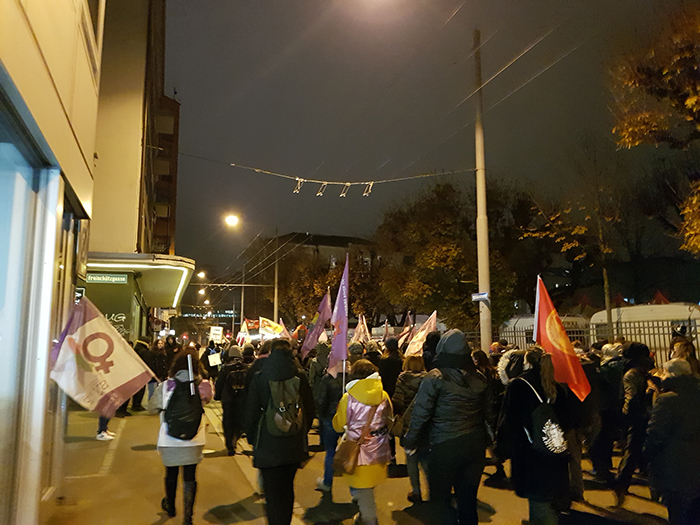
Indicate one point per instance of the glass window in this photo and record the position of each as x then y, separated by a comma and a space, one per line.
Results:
17, 183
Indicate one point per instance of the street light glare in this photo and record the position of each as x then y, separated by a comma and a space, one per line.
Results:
201, 291
201, 275
231, 220
206, 302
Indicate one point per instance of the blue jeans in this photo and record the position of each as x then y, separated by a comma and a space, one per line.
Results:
102, 423
330, 441
413, 464
152, 388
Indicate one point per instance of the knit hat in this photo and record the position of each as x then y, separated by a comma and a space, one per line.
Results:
248, 350
453, 342
678, 367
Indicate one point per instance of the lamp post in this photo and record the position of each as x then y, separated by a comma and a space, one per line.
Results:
232, 221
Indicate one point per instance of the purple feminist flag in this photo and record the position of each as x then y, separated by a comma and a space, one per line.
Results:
339, 320
322, 316
94, 365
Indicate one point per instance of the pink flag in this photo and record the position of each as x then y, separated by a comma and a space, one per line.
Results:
361, 334
93, 364
407, 333
322, 316
386, 330
285, 333
339, 320
415, 347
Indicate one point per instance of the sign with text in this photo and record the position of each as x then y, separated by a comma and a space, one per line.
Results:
107, 278
216, 333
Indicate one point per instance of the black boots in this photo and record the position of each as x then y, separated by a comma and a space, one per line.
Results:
190, 491
168, 502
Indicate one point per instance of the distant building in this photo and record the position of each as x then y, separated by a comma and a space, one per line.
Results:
328, 247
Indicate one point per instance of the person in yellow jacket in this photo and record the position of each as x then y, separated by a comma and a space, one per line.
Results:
362, 393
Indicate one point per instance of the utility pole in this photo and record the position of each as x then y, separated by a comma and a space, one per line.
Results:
482, 223
275, 314
243, 295
233, 318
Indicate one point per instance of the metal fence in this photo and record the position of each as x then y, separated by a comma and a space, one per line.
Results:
656, 335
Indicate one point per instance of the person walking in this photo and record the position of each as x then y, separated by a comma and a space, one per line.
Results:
635, 413
172, 398
328, 394
279, 412
366, 402
452, 404
158, 363
210, 350
230, 390
538, 475
390, 366
406, 389
171, 348
672, 443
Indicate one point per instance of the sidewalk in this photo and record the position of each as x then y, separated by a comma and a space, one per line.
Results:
121, 482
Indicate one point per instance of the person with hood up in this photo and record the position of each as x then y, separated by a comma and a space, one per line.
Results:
672, 443
541, 478
278, 456
174, 452
230, 390
452, 404
429, 346
363, 394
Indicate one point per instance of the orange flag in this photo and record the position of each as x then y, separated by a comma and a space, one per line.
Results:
550, 335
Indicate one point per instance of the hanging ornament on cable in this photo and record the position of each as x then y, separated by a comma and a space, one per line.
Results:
368, 189
320, 191
297, 188
345, 189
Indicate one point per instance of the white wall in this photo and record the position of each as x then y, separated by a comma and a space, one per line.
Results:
50, 52
114, 227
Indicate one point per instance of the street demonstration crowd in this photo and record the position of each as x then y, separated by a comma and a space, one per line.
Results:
447, 407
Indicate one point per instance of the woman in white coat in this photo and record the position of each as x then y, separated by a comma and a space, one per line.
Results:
176, 452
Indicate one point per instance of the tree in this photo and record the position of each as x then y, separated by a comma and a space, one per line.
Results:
657, 100
431, 259
657, 89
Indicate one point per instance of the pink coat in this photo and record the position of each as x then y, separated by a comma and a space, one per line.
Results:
375, 448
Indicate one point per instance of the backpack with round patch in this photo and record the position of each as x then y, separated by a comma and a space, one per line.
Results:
236, 378
546, 435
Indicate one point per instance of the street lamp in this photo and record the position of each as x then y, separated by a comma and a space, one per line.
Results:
201, 291
206, 301
231, 220
201, 275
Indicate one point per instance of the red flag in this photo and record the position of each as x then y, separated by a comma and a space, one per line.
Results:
550, 334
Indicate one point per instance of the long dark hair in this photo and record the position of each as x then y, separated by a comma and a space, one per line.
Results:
180, 362
542, 361
483, 365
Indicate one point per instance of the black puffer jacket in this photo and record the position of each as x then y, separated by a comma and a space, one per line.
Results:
328, 394
275, 451
406, 389
673, 437
453, 399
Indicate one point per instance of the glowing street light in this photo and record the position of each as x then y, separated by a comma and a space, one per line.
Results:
201, 291
201, 275
231, 220
206, 302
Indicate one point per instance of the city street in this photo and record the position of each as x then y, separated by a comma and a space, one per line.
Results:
121, 482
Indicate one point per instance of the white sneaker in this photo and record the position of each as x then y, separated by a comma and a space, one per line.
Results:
110, 433
321, 486
104, 436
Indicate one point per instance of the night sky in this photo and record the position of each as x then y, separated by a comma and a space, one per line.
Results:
352, 90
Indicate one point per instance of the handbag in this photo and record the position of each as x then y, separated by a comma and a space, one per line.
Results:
348, 450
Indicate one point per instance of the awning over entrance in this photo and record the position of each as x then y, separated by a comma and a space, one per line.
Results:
161, 278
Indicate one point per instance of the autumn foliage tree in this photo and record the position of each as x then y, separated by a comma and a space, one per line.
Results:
657, 100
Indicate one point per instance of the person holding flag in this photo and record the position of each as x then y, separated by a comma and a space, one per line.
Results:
322, 316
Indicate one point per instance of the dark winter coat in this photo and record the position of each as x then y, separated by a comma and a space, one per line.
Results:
275, 451
233, 402
328, 394
634, 389
450, 403
406, 389
390, 368
673, 437
158, 363
534, 475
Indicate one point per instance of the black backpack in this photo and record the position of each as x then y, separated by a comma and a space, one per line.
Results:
184, 411
236, 378
546, 436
